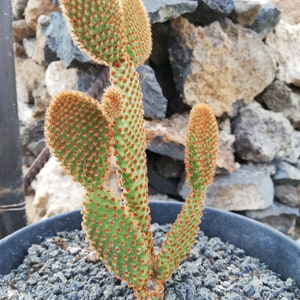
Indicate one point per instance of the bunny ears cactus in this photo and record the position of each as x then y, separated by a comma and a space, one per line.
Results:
84, 134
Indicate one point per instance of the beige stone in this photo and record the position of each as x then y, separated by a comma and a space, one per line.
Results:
29, 75
55, 192
225, 158
290, 10
39, 53
245, 11
35, 8
284, 44
228, 63
58, 78
18, 7
21, 29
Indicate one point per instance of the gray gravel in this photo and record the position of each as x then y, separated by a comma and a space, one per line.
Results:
63, 267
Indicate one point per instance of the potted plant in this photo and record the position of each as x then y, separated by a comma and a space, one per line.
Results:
84, 134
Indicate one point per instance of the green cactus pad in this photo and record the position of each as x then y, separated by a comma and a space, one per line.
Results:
200, 160
80, 136
98, 26
201, 147
137, 31
116, 236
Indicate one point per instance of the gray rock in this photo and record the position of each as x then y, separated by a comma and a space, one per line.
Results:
172, 149
292, 153
249, 187
276, 96
287, 194
279, 216
261, 135
287, 174
266, 20
163, 10
209, 11
154, 103
159, 183
169, 167
60, 41
160, 41
275, 210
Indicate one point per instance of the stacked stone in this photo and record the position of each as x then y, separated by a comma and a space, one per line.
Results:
238, 56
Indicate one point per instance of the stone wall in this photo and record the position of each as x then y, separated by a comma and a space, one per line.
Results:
237, 56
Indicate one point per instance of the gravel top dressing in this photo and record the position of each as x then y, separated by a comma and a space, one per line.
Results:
63, 267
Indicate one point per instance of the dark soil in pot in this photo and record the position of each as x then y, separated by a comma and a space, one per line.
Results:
63, 267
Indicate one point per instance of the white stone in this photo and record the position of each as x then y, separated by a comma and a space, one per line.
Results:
58, 78
284, 44
56, 192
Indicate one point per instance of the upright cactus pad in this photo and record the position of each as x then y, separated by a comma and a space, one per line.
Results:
79, 135
84, 135
200, 159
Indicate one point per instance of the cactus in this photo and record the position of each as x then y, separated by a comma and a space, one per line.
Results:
84, 135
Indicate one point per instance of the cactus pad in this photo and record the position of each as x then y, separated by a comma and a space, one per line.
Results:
80, 136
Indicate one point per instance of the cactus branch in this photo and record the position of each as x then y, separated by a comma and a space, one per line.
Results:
200, 158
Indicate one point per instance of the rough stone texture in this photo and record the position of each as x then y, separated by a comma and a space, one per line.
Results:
225, 158
29, 77
169, 167
41, 55
290, 10
35, 8
55, 192
32, 94
21, 30
276, 96
32, 139
284, 44
163, 10
29, 46
292, 110
247, 188
219, 64
267, 19
18, 8
167, 137
245, 11
58, 78
279, 216
154, 103
292, 153
209, 11
60, 41
288, 194
159, 183
261, 135
287, 174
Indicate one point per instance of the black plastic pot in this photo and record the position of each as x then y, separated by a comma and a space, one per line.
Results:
279, 252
